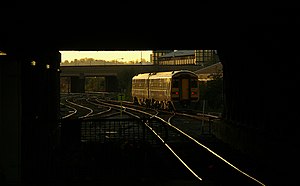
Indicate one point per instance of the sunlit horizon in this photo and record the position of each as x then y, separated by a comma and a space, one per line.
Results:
124, 56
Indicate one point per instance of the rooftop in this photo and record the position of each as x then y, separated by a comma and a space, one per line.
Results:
179, 53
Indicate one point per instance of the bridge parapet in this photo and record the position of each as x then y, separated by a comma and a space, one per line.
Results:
114, 70
113, 74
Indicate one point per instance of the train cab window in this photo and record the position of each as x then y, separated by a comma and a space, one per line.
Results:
193, 83
175, 83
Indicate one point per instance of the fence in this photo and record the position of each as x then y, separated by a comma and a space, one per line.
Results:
105, 149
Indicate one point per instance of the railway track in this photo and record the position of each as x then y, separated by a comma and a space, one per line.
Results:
179, 142
86, 108
209, 166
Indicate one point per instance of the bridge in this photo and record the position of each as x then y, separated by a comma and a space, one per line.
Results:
113, 73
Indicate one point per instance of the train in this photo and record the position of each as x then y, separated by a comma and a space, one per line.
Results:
169, 90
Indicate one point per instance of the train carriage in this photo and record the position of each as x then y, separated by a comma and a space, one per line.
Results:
140, 87
172, 90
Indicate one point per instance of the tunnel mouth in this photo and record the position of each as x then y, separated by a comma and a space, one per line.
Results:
112, 71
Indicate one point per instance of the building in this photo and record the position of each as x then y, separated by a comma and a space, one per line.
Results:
156, 54
210, 72
185, 57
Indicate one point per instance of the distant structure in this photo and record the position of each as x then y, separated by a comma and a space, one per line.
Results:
154, 58
184, 57
210, 72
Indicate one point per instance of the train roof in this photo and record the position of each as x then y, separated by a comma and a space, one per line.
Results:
160, 75
141, 76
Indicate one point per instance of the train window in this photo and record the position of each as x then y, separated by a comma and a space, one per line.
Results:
175, 83
193, 83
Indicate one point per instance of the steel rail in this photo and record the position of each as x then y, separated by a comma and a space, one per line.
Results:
194, 140
211, 151
202, 145
158, 136
74, 112
91, 110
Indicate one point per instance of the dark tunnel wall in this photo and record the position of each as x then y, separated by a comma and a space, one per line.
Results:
40, 109
10, 119
29, 114
260, 90
260, 77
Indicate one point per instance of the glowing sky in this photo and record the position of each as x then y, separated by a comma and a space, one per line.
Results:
107, 55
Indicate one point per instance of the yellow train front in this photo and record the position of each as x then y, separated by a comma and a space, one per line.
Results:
172, 90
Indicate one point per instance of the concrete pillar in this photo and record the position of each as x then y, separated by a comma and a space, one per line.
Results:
260, 85
78, 84
29, 114
40, 113
10, 120
111, 84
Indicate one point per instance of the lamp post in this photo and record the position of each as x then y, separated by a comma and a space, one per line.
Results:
174, 56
